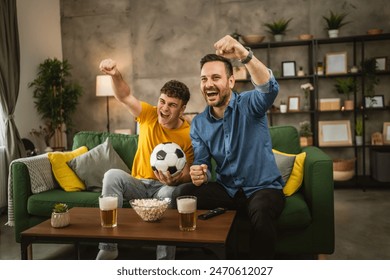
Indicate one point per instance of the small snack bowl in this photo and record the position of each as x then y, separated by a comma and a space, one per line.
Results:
150, 209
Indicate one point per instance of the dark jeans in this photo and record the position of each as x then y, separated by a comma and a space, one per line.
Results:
262, 209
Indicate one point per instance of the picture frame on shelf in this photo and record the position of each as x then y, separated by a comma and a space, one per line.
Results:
376, 101
381, 63
289, 69
336, 63
293, 103
334, 133
386, 133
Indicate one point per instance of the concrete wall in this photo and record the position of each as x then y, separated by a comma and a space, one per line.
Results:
158, 40
39, 26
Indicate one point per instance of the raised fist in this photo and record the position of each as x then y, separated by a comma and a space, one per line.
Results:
108, 66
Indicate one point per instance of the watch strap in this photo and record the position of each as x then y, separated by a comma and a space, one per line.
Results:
249, 56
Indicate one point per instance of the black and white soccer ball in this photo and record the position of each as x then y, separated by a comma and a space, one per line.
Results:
168, 157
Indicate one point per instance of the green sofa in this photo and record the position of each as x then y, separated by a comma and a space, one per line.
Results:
306, 224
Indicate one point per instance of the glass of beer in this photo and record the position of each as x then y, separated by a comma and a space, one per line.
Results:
108, 204
186, 206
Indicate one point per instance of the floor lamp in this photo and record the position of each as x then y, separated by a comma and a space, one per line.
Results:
104, 87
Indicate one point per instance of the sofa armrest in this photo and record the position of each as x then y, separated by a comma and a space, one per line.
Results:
318, 189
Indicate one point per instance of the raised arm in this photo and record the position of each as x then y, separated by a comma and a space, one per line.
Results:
232, 49
122, 90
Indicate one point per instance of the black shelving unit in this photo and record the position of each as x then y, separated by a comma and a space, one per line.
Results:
359, 45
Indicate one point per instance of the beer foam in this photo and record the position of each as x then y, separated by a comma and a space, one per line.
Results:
108, 203
186, 205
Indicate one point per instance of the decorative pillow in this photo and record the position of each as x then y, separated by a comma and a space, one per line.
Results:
291, 168
65, 176
90, 167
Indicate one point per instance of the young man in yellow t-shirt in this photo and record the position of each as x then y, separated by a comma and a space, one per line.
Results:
158, 124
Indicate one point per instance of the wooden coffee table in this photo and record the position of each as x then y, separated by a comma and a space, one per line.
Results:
85, 227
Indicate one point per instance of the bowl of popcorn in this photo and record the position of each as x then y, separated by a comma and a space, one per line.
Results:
150, 209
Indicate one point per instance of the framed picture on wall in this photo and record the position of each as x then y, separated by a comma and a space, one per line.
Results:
293, 103
288, 69
386, 133
336, 63
381, 63
376, 101
334, 133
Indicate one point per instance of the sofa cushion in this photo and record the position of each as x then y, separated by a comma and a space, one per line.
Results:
296, 213
64, 175
91, 166
292, 162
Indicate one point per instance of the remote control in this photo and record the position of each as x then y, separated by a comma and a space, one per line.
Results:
212, 213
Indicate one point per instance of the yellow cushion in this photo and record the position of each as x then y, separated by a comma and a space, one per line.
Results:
294, 182
64, 175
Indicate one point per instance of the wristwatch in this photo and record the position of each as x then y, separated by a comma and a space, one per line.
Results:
249, 56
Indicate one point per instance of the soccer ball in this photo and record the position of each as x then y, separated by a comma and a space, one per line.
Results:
168, 157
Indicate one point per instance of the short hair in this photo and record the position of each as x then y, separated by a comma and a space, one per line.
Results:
176, 89
214, 57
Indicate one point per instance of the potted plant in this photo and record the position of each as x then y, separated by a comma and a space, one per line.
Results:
305, 133
306, 91
334, 22
278, 28
283, 106
56, 98
346, 86
359, 131
369, 72
60, 216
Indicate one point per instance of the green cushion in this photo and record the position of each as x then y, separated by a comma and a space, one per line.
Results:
296, 213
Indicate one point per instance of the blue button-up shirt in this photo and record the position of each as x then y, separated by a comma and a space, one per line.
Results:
240, 142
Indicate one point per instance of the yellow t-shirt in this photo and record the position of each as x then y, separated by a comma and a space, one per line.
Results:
151, 133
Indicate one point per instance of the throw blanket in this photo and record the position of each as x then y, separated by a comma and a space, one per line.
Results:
41, 178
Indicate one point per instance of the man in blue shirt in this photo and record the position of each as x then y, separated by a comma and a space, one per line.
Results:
233, 130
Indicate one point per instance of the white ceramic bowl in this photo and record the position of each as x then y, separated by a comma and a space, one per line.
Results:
252, 39
150, 209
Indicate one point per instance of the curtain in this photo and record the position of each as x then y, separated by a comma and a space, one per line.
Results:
9, 77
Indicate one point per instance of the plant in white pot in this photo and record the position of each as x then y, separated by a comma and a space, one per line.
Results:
346, 86
278, 28
56, 98
283, 106
334, 22
359, 131
60, 216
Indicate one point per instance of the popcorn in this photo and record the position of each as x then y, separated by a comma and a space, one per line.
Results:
150, 210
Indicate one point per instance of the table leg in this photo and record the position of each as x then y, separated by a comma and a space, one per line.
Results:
25, 249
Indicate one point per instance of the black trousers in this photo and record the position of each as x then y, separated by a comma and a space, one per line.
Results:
262, 209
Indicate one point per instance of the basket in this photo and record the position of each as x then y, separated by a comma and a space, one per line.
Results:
343, 169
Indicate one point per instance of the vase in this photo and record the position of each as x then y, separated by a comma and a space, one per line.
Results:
59, 220
348, 105
333, 33
278, 37
283, 108
359, 140
306, 141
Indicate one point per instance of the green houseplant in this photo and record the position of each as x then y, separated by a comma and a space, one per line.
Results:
56, 98
60, 216
278, 28
305, 133
334, 22
359, 130
346, 86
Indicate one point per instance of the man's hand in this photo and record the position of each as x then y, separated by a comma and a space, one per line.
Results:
229, 47
198, 174
167, 179
108, 66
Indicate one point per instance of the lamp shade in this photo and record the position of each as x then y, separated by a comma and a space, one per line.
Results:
104, 86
